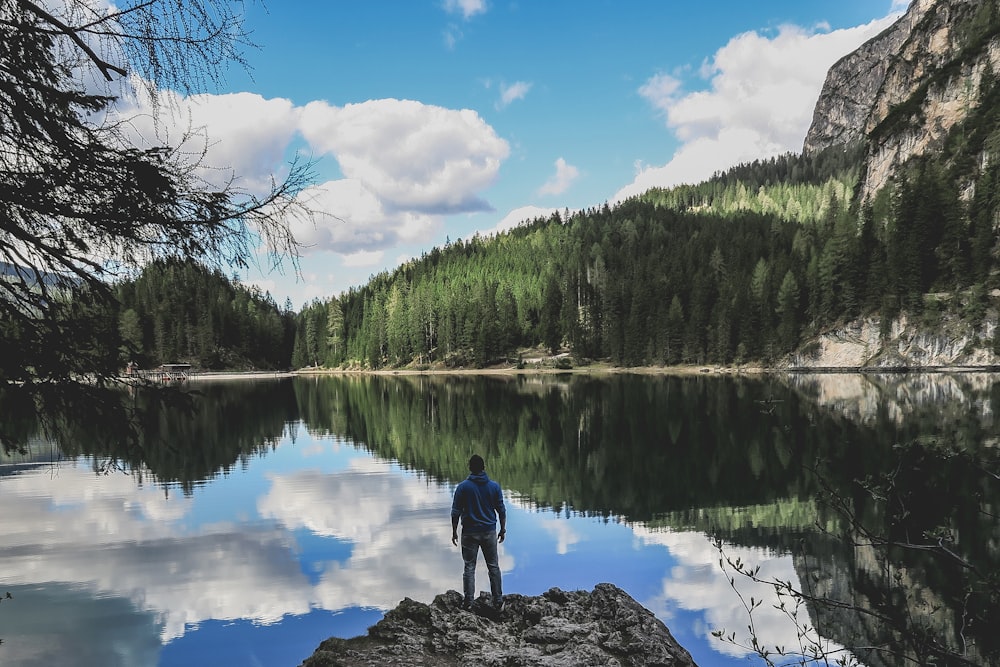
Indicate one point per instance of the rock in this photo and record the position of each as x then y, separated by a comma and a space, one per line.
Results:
905, 89
949, 342
602, 627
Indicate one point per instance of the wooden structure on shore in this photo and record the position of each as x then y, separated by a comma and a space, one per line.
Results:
164, 374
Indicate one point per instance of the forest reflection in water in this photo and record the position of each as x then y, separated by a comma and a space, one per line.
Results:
752, 461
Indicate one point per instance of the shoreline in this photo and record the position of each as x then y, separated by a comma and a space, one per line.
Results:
594, 369
681, 370
597, 370
238, 375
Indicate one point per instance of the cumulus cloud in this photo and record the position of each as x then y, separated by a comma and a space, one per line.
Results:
241, 136
412, 156
360, 222
405, 164
564, 177
513, 92
758, 103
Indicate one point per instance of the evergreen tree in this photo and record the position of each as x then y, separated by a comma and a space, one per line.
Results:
335, 331
552, 297
113, 201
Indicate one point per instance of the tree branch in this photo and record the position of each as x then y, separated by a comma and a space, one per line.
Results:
105, 67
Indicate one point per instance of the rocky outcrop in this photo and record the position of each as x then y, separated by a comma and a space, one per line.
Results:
904, 90
852, 85
947, 342
603, 627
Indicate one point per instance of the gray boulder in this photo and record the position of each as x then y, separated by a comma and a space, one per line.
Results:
602, 627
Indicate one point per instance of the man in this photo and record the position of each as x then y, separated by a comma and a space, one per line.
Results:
478, 502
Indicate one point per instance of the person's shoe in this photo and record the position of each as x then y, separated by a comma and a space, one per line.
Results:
498, 604
467, 605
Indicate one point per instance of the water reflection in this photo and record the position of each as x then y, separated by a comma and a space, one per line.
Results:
392, 522
280, 513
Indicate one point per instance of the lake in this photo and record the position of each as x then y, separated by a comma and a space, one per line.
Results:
276, 513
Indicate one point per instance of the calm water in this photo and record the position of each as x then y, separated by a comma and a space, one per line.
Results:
283, 512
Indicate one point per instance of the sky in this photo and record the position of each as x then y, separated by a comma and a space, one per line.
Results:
430, 121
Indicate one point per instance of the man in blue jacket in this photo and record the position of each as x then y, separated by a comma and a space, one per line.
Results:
478, 502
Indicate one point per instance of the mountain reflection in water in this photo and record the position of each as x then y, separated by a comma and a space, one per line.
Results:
278, 513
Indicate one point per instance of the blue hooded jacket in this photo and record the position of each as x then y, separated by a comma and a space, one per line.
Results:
478, 500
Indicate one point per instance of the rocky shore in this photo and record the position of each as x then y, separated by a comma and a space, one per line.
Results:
558, 628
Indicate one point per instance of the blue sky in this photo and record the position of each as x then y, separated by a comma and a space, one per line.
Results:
437, 119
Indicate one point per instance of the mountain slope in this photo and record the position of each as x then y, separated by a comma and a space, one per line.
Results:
883, 234
905, 90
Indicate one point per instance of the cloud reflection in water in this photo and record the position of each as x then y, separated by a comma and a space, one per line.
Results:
172, 564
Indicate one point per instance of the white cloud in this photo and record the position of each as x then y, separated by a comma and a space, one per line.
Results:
661, 91
411, 156
564, 177
364, 258
467, 8
513, 92
235, 135
106, 534
399, 515
566, 537
360, 221
405, 164
698, 583
759, 102
354, 219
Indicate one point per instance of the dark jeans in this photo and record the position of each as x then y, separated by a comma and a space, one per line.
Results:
471, 544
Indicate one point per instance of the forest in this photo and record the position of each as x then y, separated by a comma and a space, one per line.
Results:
742, 268
180, 311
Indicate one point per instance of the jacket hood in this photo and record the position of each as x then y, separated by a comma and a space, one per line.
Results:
479, 477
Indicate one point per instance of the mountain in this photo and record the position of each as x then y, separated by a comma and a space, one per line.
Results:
906, 90
10, 271
875, 247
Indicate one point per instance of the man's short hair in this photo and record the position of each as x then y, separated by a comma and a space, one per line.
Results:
476, 464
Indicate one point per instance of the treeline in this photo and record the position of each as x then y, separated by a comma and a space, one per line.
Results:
796, 187
637, 284
583, 443
181, 311
711, 273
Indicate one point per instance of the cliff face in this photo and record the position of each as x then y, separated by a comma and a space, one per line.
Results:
904, 90
908, 343
853, 84
603, 627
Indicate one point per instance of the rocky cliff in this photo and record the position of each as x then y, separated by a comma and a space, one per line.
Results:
603, 627
904, 90
943, 340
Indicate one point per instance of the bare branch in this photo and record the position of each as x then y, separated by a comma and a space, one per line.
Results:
105, 67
